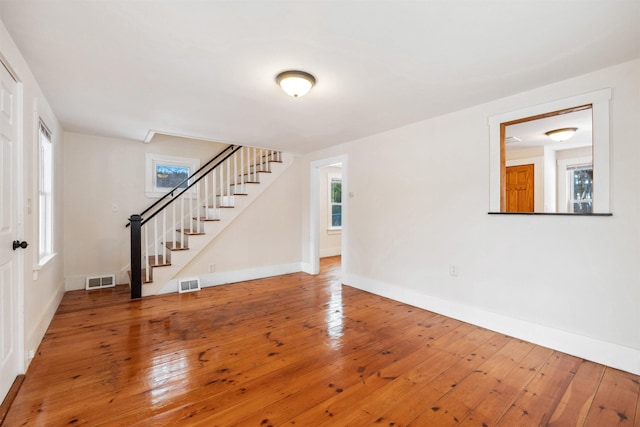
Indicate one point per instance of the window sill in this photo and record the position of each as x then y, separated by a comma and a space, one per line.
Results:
334, 230
43, 261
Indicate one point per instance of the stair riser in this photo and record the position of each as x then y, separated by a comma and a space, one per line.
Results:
225, 201
210, 213
240, 189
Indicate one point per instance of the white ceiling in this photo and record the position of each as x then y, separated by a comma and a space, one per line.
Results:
206, 69
532, 133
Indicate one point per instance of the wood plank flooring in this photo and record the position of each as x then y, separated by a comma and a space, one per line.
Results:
301, 350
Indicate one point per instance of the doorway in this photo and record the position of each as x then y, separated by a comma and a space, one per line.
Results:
316, 171
330, 215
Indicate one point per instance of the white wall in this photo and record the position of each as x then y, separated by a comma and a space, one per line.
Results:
573, 153
263, 241
571, 283
43, 286
330, 240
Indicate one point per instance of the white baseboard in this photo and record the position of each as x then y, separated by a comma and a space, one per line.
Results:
74, 283
305, 267
122, 278
606, 353
226, 277
325, 252
77, 283
38, 328
223, 278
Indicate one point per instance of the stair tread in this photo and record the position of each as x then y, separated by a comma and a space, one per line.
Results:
176, 246
206, 219
160, 263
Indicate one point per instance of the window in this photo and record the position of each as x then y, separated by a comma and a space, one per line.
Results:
581, 188
45, 188
335, 202
575, 185
165, 172
168, 176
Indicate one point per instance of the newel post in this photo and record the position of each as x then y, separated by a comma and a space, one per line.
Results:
136, 256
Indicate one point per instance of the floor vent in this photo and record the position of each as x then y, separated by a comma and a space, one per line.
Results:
188, 285
99, 282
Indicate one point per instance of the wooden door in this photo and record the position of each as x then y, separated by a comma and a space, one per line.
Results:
10, 323
519, 188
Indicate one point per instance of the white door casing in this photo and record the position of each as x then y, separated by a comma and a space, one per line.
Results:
11, 360
313, 266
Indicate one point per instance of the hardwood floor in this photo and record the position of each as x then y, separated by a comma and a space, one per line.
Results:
301, 350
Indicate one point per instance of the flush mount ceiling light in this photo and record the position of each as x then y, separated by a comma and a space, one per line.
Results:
295, 83
560, 135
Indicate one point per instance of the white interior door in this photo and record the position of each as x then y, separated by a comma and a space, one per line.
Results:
10, 353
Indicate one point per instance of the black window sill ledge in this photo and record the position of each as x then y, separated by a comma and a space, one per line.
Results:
550, 213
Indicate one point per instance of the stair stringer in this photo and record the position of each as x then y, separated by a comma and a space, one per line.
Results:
164, 277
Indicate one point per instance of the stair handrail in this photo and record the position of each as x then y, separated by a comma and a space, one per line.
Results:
174, 189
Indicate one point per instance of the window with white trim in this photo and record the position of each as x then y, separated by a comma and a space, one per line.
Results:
45, 189
580, 184
575, 185
335, 202
164, 172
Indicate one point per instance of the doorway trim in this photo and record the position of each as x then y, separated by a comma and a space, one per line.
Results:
314, 212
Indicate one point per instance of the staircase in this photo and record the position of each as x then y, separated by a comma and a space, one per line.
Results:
175, 229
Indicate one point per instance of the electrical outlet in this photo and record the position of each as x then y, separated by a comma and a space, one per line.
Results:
31, 354
212, 268
114, 207
453, 270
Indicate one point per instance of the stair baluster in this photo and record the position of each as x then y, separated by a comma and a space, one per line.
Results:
172, 232
147, 269
205, 215
242, 169
214, 191
181, 223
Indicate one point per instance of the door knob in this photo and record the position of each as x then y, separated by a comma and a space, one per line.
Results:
18, 244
